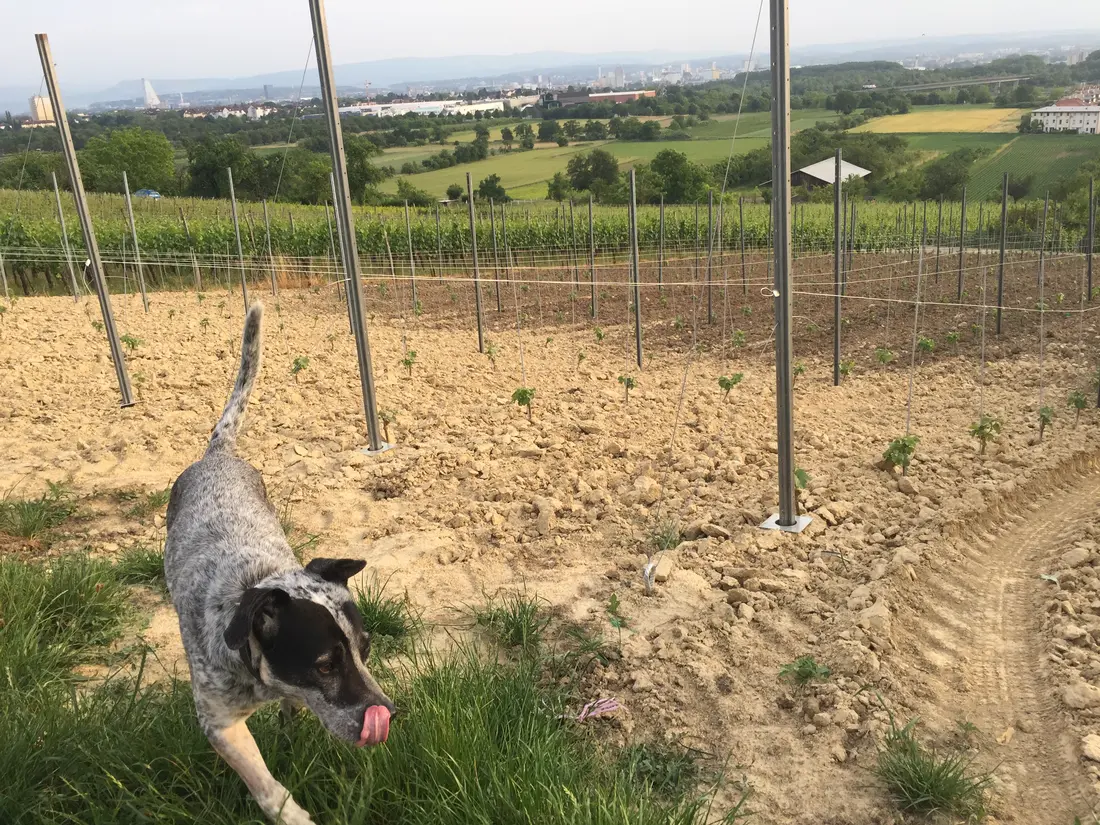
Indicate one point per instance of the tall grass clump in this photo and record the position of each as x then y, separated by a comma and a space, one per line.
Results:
32, 517
922, 781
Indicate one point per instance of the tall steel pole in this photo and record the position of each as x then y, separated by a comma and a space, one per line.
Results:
1092, 231
65, 238
741, 229
236, 232
94, 262
781, 211
1001, 260
837, 252
496, 249
270, 257
962, 245
636, 269
661, 248
710, 256
477, 274
343, 290
592, 258
347, 221
412, 258
133, 233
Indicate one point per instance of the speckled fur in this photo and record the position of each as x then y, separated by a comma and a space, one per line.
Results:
224, 537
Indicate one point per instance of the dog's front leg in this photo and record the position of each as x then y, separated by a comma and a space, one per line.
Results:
237, 747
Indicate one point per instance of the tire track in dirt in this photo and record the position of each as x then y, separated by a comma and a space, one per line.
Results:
981, 639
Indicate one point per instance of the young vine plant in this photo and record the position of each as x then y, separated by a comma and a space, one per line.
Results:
409, 361
985, 430
1046, 419
900, 452
1078, 401
300, 363
523, 397
628, 383
728, 382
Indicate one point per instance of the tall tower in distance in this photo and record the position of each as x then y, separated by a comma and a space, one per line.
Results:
41, 109
151, 99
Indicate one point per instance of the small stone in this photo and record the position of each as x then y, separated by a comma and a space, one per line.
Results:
648, 490
905, 485
1072, 632
822, 720
1081, 695
827, 516
809, 730
715, 531
1075, 557
459, 520
1090, 747
746, 612
590, 427
738, 595
838, 753
543, 522
693, 531
665, 565
876, 617
642, 682
903, 555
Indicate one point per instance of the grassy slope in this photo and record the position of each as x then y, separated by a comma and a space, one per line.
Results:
1047, 157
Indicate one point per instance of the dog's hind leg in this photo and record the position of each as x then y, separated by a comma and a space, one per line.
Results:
237, 747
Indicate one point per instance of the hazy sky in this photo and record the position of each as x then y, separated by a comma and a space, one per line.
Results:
99, 43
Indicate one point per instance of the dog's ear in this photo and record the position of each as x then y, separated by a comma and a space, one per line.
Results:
337, 571
257, 604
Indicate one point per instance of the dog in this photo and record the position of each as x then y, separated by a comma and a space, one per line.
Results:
257, 626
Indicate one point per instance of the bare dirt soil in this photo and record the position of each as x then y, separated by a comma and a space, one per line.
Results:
923, 595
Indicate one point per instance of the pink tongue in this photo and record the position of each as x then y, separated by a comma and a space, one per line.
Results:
376, 725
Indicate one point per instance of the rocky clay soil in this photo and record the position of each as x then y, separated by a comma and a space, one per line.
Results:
967, 593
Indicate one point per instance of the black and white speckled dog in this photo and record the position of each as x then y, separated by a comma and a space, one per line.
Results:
256, 625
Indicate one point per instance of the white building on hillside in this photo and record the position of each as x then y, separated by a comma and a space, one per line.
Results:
1083, 119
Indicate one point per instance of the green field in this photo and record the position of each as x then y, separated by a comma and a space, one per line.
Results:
525, 174
943, 142
1046, 157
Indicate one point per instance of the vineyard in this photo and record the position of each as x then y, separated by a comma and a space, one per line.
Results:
1048, 158
182, 241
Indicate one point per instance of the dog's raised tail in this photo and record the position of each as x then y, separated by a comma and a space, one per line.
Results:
225, 432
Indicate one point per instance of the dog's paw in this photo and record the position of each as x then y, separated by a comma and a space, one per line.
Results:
283, 810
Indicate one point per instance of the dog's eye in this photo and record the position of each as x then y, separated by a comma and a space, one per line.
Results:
324, 667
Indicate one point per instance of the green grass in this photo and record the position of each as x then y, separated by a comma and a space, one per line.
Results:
31, 518
756, 124
944, 142
924, 782
148, 503
141, 565
515, 620
392, 624
480, 741
50, 617
1047, 157
804, 670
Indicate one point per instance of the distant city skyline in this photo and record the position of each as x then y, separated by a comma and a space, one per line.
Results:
97, 45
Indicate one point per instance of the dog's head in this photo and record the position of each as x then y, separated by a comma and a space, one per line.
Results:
301, 634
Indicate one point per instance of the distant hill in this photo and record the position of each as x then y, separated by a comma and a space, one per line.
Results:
515, 67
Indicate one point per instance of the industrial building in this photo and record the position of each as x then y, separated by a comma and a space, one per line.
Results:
41, 110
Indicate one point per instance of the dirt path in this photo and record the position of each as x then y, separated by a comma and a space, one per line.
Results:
982, 640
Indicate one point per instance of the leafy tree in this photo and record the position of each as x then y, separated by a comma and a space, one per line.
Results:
595, 130
946, 176
680, 180
548, 131
572, 129
455, 192
558, 189
506, 137
146, 156
591, 168
490, 188
361, 172
207, 161
845, 102
415, 197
